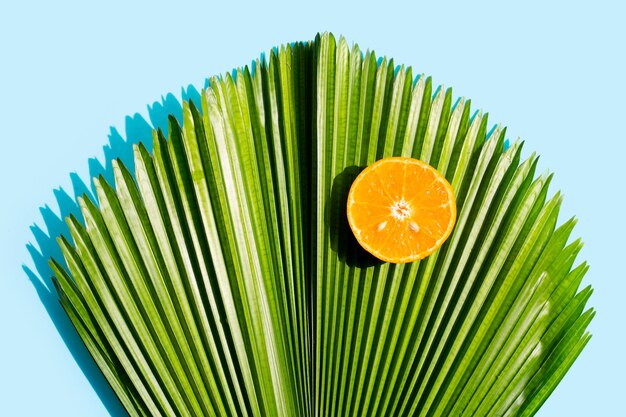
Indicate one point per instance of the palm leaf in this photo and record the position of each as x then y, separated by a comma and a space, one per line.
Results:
220, 277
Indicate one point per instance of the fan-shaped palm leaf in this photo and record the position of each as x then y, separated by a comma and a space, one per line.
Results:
220, 277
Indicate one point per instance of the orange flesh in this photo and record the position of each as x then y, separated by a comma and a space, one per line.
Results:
401, 209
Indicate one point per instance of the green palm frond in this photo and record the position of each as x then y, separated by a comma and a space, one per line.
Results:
220, 278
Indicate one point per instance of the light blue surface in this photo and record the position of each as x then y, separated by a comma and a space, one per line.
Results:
68, 72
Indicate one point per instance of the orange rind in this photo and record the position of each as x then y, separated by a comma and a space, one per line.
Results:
401, 209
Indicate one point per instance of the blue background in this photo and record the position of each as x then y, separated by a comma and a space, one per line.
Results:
72, 72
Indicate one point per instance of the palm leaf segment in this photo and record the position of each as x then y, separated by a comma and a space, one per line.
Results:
221, 279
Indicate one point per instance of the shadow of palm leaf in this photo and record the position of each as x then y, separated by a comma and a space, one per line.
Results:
45, 245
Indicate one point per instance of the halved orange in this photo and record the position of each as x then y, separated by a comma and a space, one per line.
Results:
401, 209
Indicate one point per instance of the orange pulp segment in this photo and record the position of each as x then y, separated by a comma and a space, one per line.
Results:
401, 209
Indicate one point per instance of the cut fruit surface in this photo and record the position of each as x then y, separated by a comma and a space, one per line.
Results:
401, 209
